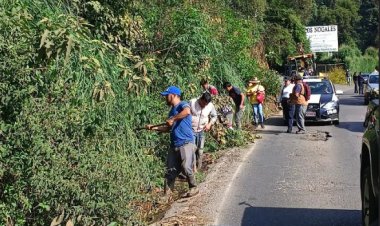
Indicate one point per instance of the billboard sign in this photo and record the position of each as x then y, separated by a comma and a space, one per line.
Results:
323, 38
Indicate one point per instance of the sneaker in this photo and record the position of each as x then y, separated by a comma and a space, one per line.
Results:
192, 192
288, 131
301, 132
165, 199
262, 126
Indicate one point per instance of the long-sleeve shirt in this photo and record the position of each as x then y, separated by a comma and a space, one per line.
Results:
201, 116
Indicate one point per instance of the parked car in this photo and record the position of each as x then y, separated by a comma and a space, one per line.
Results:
324, 102
365, 76
371, 87
369, 168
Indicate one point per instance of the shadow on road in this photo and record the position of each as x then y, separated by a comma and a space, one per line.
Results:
353, 100
272, 216
279, 121
275, 121
352, 126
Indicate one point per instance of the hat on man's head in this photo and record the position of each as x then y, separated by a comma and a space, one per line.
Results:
287, 78
297, 77
254, 80
171, 90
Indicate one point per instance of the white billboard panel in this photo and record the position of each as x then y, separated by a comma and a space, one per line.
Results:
323, 38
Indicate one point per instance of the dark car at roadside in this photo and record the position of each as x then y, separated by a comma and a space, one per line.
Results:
369, 168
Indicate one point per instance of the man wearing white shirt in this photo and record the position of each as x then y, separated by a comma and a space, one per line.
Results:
287, 111
203, 117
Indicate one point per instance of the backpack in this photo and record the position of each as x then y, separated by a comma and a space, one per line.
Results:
260, 97
307, 91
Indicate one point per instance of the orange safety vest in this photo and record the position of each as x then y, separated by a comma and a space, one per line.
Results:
300, 99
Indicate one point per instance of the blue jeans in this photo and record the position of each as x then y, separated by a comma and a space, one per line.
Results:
300, 111
258, 115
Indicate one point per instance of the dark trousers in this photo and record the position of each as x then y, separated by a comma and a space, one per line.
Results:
291, 111
356, 86
285, 108
360, 88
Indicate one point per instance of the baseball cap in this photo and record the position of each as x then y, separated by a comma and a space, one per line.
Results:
171, 90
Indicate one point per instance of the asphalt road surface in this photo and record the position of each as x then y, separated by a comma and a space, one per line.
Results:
301, 179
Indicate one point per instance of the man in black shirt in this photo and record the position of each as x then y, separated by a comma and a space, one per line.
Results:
360, 83
355, 79
238, 98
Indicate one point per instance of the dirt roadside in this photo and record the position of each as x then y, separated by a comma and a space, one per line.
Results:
202, 208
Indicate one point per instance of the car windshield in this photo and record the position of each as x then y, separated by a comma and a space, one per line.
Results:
374, 79
322, 87
365, 76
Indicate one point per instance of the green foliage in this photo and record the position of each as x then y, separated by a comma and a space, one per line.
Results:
284, 31
235, 138
79, 76
346, 51
364, 63
276, 49
344, 13
368, 25
253, 9
356, 61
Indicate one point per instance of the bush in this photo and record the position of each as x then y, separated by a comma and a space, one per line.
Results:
337, 75
78, 78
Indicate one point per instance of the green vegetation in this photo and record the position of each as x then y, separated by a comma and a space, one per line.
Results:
77, 78
357, 31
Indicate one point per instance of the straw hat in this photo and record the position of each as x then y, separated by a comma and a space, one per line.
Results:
254, 80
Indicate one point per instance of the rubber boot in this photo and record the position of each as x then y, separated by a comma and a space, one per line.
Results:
199, 161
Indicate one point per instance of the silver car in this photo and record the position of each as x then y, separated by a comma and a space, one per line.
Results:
371, 87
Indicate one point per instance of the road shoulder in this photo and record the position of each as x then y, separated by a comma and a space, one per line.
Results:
203, 208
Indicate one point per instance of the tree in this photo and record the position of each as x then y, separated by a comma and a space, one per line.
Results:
253, 8
343, 13
368, 25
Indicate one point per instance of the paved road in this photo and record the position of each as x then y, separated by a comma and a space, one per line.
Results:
301, 180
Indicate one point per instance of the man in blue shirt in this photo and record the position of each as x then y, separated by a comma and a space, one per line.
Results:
181, 154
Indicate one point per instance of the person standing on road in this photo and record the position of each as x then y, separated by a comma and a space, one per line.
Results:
253, 91
355, 79
201, 110
297, 97
360, 83
180, 156
287, 107
348, 77
238, 98
209, 88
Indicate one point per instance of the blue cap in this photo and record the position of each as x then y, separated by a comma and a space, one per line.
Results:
172, 90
